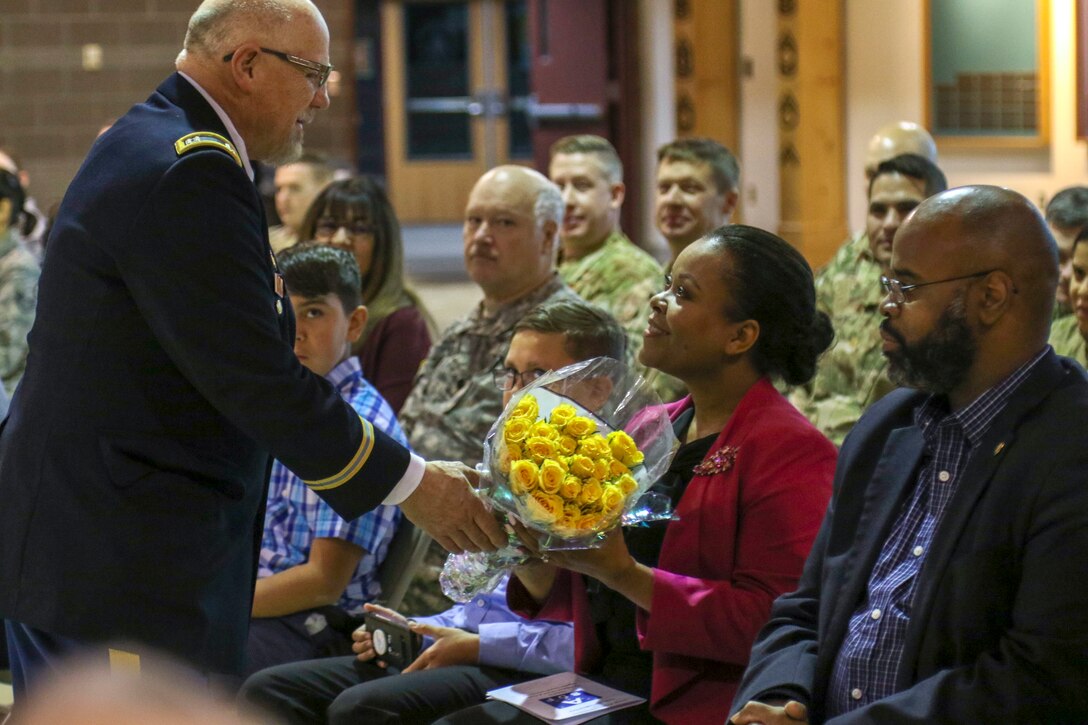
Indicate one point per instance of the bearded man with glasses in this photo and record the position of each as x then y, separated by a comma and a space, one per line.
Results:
942, 586
161, 379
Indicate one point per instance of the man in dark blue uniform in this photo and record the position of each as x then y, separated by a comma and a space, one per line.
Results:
161, 378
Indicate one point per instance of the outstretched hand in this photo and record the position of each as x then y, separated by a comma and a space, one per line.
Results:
446, 507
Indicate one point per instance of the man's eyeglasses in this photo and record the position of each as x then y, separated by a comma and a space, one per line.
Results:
897, 291
320, 71
509, 379
327, 228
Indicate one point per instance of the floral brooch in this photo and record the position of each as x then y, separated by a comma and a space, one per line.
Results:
718, 462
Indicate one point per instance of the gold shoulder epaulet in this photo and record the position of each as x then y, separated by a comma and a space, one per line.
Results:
206, 139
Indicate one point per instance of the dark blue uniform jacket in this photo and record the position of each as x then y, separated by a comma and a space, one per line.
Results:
161, 380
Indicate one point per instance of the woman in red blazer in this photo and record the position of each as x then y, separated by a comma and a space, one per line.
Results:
671, 611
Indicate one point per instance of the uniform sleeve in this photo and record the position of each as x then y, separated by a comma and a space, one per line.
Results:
200, 271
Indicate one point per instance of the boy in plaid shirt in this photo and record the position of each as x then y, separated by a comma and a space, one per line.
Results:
312, 560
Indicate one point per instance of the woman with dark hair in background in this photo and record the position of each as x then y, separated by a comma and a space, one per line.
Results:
670, 611
356, 214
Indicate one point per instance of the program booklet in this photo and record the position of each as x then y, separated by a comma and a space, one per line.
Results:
564, 698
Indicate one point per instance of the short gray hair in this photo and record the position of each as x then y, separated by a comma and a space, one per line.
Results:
218, 26
549, 206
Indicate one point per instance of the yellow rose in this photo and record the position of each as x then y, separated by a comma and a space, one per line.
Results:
542, 429
515, 430
568, 445
611, 498
627, 484
570, 488
621, 444
591, 491
543, 508
526, 408
589, 522
580, 426
504, 459
594, 446
581, 466
563, 414
600, 469
540, 449
568, 519
551, 476
514, 451
616, 468
634, 459
523, 477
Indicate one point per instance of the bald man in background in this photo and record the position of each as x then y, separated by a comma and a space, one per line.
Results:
942, 585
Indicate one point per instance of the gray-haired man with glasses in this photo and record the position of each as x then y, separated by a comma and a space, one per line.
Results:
161, 379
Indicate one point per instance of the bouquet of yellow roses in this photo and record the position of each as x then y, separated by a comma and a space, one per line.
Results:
571, 457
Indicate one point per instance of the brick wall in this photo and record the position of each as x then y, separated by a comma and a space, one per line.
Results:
51, 108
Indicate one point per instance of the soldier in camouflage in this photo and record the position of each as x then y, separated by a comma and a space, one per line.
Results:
1069, 335
1066, 215
596, 259
510, 241
19, 272
852, 375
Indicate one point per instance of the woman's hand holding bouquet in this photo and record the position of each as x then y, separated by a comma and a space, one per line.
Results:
570, 457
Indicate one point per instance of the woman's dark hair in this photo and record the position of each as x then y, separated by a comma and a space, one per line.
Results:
383, 286
10, 188
771, 283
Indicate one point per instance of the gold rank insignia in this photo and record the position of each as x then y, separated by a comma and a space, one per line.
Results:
206, 139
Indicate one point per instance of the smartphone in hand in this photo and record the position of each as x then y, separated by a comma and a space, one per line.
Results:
394, 644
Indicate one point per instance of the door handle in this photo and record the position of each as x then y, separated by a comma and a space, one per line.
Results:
488, 104
537, 111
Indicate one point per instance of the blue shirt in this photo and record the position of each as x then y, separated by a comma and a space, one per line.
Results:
868, 662
507, 640
295, 515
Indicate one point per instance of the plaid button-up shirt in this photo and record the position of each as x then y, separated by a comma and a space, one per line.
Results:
295, 515
866, 666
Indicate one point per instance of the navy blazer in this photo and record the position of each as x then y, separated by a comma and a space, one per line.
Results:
999, 627
161, 379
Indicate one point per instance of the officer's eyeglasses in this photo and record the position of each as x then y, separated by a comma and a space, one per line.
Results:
318, 72
897, 291
510, 379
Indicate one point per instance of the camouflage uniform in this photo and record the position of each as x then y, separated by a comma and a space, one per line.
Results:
453, 404
620, 278
19, 273
1066, 339
853, 373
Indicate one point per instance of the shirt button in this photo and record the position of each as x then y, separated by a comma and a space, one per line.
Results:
855, 693
918, 551
875, 614
944, 476
480, 603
